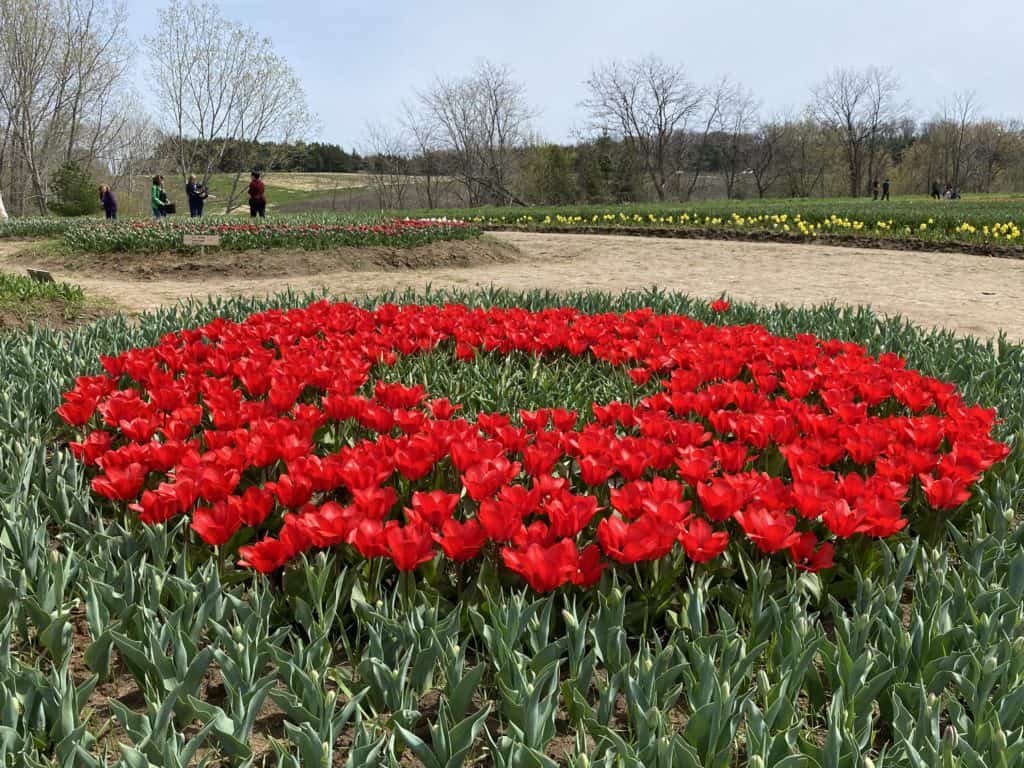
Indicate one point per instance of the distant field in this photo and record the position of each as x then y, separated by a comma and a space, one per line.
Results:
288, 189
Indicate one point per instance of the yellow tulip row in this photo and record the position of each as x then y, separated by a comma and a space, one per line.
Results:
1008, 231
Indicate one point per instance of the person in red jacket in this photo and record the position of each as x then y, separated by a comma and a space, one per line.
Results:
257, 197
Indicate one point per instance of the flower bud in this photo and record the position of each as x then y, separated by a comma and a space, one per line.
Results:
950, 737
570, 620
1000, 739
648, 665
584, 761
236, 631
988, 667
869, 763
1008, 515
756, 762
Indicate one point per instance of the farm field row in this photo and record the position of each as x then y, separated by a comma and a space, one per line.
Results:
930, 223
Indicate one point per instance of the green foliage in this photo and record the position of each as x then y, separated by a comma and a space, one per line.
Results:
19, 288
34, 226
911, 655
74, 191
548, 174
993, 220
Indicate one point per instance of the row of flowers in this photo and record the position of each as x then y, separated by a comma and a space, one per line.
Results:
167, 234
278, 434
1007, 232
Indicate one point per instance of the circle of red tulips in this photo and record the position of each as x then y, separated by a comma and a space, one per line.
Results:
794, 443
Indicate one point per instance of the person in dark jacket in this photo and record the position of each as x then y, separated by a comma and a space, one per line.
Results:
257, 196
197, 195
108, 201
885, 189
936, 190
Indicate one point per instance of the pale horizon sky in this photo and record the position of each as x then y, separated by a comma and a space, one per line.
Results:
359, 60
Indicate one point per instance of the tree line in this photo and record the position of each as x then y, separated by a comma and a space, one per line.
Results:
653, 134
68, 114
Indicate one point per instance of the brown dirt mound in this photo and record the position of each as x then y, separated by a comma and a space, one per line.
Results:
197, 266
50, 313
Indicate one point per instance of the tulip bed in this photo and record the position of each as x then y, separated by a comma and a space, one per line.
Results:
789, 442
301, 233
991, 223
511, 530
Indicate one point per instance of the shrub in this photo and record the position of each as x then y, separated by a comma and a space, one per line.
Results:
74, 191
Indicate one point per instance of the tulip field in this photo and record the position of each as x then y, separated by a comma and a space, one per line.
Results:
989, 225
484, 528
296, 232
916, 222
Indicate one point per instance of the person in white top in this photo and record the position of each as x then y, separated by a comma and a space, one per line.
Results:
3, 211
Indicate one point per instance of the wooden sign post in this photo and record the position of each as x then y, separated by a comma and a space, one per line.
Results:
39, 275
202, 241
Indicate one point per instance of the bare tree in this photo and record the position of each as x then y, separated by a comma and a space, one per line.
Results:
858, 106
425, 141
387, 155
648, 104
766, 150
805, 152
482, 121
62, 65
133, 153
957, 116
228, 87
737, 121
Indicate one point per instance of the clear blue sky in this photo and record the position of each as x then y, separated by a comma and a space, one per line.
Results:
360, 59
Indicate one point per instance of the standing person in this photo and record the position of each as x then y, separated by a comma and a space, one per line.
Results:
936, 191
257, 197
157, 197
885, 189
197, 194
3, 211
108, 201
874, 189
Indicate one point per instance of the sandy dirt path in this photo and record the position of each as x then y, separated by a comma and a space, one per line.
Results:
968, 294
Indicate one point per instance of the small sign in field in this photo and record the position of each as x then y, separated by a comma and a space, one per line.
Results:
202, 240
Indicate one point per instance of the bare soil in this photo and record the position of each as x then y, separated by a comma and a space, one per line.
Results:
968, 294
198, 266
50, 313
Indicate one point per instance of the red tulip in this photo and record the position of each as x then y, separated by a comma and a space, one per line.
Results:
701, 543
